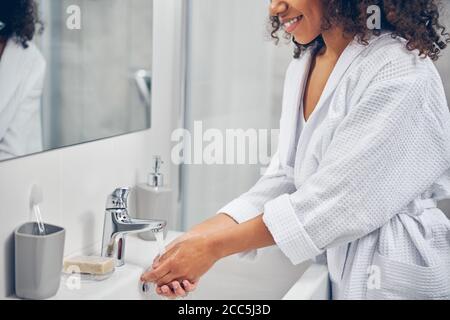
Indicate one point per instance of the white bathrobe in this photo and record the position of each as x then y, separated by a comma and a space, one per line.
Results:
21, 82
360, 187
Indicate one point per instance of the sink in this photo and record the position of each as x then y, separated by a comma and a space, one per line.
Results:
269, 276
122, 285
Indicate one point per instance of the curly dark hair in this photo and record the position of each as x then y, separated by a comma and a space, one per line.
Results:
417, 21
20, 20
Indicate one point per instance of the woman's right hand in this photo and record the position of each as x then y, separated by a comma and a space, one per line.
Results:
181, 238
176, 289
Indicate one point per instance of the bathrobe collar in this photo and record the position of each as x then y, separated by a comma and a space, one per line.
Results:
294, 96
13, 65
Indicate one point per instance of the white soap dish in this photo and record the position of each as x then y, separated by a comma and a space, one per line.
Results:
87, 276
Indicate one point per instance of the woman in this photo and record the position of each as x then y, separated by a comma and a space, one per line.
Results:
364, 155
22, 70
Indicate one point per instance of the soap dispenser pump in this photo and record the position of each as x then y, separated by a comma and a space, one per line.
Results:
154, 199
156, 178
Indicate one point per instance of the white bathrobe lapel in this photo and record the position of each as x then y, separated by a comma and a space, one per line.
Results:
350, 54
295, 82
348, 57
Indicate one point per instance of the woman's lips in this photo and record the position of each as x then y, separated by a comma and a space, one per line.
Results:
290, 25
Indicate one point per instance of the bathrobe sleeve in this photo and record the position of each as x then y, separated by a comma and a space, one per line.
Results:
251, 204
391, 146
23, 135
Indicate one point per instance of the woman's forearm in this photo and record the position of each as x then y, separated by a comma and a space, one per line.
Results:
191, 258
227, 237
246, 236
218, 222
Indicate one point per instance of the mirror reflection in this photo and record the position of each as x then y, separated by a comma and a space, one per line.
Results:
72, 71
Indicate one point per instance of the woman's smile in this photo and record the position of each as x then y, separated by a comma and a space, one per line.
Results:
302, 19
292, 24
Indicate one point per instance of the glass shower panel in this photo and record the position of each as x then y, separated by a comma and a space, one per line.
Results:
234, 81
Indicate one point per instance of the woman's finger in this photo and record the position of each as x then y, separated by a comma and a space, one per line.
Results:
188, 286
168, 278
178, 289
158, 290
156, 274
167, 292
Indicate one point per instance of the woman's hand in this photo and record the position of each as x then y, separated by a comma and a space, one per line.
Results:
176, 289
194, 256
182, 288
181, 238
185, 260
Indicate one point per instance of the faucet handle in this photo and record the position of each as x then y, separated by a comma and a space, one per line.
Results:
118, 199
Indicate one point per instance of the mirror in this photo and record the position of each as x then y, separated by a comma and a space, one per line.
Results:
85, 76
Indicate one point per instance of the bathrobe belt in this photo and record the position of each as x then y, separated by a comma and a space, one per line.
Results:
419, 206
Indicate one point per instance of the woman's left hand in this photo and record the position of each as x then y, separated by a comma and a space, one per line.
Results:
186, 260
176, 289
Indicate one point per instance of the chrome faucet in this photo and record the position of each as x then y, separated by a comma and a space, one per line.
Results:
118, 223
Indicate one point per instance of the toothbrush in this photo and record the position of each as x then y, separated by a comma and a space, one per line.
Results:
39, 220
37, 198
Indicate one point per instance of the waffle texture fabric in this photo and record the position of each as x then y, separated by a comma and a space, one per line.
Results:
361, 184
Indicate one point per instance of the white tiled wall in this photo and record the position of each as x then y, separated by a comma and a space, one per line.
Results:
76, 180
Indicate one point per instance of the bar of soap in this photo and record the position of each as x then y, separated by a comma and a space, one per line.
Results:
89, 265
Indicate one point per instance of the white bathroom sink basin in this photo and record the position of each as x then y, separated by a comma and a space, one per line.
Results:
269, 276
122, 285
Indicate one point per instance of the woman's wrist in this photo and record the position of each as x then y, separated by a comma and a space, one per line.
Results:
216, 232
215, 242
226, 242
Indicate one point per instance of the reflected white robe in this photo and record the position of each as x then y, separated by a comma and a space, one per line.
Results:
370, 165
21, 83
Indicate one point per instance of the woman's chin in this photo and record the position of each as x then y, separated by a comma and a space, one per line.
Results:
304, 40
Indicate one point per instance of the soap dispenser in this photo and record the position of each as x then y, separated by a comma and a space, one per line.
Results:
154, 199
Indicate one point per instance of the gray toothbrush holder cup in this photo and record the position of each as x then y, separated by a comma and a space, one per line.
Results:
38, 260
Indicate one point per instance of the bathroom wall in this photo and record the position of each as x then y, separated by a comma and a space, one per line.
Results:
76, 180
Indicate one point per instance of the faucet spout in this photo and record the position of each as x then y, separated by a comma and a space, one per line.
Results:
139, 225
118, 223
